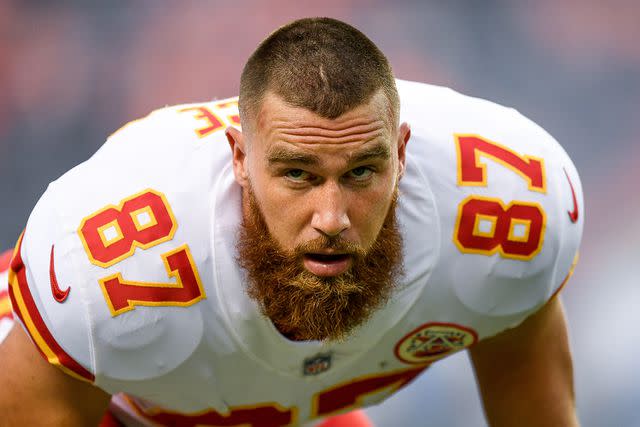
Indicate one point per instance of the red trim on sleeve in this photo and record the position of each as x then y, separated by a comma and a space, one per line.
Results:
110, 420
27, 310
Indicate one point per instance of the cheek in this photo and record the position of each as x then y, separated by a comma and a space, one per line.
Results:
286, 215
369, 211
283, 213
372, 217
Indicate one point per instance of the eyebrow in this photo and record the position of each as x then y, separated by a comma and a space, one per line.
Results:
285, 155
377, 151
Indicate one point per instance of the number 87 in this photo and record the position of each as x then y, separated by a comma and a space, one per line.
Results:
485, 225
143, 220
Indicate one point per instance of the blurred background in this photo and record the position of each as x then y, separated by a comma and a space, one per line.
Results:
72, 72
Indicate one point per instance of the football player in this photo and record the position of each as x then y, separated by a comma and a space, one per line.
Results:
297, 253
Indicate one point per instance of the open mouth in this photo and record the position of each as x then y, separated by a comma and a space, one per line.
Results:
327, 257
327, 264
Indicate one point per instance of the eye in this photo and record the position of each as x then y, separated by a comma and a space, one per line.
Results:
297, 175
360, 173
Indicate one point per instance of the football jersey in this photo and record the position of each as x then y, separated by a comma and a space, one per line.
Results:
127, 276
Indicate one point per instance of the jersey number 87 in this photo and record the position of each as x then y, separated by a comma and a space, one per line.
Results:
515, 230
143, 220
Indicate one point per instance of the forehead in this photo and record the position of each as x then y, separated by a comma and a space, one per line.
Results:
281, 126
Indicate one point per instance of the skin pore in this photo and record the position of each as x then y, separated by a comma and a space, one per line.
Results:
319, 238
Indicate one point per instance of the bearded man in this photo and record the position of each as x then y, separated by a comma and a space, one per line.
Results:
324, 261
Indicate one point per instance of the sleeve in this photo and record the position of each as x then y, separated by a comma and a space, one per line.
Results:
570, 201
47, 300
505, 284
509, 203
564, 207
520, 287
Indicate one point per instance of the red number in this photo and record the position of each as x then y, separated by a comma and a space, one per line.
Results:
486, 225
336, 399
350, 395
142, 220
123, 295
472, 172
265, 415
113, 233
515, 231
231, 105
211, 120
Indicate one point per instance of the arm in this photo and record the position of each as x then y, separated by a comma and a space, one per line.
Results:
525, 374
33, 392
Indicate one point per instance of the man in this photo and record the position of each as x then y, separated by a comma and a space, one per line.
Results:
323, 263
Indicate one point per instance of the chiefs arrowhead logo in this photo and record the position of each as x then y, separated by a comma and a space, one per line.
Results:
433, 341
58, 294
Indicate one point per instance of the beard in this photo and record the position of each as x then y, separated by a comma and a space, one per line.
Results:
304, 306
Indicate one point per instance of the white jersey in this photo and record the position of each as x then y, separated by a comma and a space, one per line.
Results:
126, 275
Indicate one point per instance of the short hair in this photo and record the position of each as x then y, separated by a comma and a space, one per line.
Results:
320, 64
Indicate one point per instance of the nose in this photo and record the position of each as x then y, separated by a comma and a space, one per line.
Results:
330, 215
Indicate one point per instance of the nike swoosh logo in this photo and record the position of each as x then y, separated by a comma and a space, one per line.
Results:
58, 294
573, 215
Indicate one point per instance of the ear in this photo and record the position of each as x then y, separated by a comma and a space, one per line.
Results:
404, 134
239, 155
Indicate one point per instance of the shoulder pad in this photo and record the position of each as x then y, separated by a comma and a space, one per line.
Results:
47, 301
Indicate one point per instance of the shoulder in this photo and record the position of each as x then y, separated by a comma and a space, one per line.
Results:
433, 110
193, 121
51, 312
152, 182
169, 136
504, 191
122, 234
98, 294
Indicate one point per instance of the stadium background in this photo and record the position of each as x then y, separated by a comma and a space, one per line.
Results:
71, 72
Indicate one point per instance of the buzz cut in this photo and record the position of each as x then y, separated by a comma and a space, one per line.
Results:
320, 64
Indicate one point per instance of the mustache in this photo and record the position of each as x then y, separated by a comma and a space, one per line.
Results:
334, 243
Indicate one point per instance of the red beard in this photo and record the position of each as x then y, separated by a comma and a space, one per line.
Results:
304, 306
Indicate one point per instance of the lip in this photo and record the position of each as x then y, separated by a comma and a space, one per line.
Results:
327, 267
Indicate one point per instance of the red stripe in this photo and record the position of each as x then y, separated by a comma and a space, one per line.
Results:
17, 311
5, 260
110, 420
18, 268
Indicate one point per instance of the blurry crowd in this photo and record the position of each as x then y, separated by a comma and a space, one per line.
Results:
72, 72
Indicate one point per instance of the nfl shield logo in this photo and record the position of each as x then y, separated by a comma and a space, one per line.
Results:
317, 364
